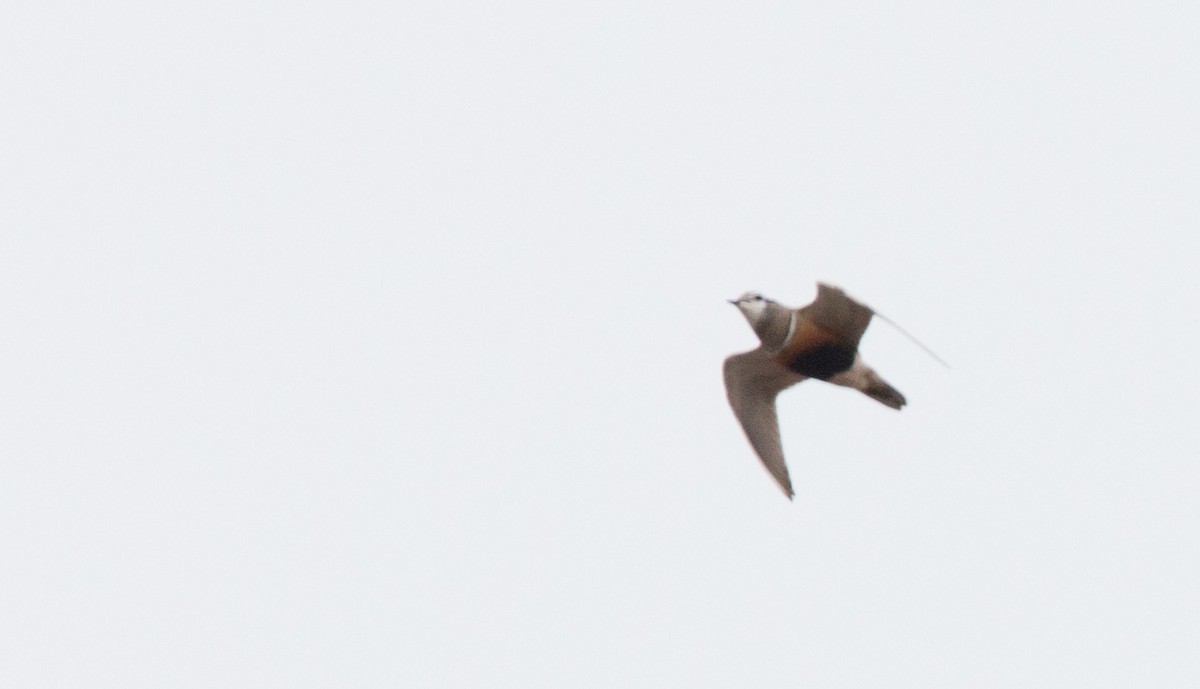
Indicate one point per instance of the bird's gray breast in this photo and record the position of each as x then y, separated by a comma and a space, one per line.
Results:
774, 326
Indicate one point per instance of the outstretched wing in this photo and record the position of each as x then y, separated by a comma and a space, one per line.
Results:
752, 381
835, 312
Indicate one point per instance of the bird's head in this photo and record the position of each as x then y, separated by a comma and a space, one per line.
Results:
753, 306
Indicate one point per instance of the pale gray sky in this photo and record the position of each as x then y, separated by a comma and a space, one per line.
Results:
379, 344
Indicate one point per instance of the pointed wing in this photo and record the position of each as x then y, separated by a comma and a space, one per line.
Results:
837, 313
752, 380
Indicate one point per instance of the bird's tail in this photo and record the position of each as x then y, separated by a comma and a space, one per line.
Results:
878, 389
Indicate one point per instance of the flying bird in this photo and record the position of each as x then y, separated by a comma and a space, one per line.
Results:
817, 341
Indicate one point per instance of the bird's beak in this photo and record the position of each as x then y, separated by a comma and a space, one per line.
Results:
732, 301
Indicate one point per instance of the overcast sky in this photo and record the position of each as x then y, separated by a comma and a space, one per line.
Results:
379, 344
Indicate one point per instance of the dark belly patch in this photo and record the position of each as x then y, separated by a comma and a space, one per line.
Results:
822, 362
815, 352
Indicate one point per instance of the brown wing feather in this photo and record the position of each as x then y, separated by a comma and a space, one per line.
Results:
838, 314
752, 381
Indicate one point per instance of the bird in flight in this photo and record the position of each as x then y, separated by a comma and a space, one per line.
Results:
817, 341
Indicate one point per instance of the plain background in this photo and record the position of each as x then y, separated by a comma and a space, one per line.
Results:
379, 344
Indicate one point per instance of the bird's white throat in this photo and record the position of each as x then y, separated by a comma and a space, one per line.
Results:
753, 310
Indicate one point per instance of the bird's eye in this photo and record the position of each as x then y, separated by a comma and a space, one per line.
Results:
758, 297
